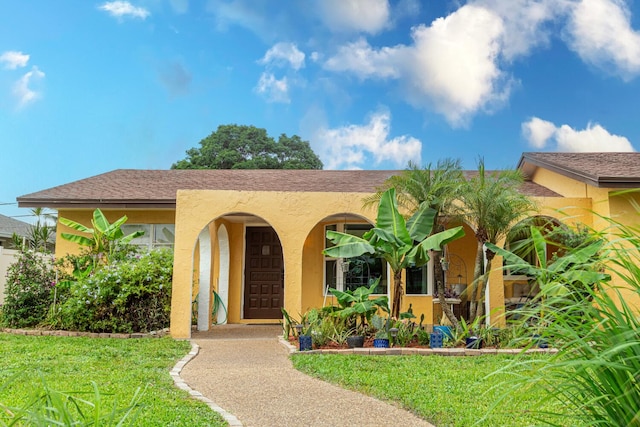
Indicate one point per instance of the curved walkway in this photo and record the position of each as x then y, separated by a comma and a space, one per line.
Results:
246, 371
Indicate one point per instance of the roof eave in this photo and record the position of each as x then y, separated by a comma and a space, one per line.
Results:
528, 164
96, 203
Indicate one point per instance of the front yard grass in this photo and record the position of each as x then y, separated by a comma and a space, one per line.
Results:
446, 391
117, 366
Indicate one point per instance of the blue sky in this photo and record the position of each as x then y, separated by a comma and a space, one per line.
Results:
91, 86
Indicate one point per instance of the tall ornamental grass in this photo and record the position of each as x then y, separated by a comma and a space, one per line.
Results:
596, 373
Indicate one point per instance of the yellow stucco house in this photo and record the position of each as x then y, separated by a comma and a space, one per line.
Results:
253, 239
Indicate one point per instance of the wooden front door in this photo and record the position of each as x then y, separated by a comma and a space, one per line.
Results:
263, 275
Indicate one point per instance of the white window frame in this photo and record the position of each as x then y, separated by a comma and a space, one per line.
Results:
148, 239
429, 267
340, 227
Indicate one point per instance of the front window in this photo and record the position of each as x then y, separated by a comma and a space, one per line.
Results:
350, 273
155, 235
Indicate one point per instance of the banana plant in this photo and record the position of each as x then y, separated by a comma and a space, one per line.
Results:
357, 303
400, 243
103, 236
573, 273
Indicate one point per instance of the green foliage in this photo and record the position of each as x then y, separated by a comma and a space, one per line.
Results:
359, 304
595, 373
132, 295
491, 202
105, 237
394, 240
118, 367
49, 407
29, 291
248, 147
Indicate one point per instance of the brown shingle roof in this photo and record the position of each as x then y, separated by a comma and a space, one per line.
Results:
157, 188
610, 170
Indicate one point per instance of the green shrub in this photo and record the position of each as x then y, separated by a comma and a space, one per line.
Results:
29, 289
128, 295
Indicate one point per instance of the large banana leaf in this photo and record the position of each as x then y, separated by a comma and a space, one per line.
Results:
390, 219
419, 254
347, 246
80, 240
420, 225
100, 222
75, 225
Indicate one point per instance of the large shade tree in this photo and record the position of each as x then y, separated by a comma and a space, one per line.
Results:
400, 243
248, 147
491, 204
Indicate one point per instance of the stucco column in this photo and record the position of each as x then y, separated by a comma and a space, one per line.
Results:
181, 290
292, 253
495, 291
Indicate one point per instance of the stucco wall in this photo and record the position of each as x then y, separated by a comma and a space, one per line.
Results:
292, 215
84, 216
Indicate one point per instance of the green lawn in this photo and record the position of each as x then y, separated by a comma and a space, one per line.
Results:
117, 366
447, 391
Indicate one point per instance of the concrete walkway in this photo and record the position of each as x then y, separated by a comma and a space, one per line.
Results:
246, 370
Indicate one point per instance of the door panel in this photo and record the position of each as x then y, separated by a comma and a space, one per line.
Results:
264, 274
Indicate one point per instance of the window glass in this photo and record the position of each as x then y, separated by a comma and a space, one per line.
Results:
417, 280
351, 273
143, 240
155, 235
164, 234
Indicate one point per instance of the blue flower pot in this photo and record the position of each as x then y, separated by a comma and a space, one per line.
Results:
435, 339
381, 342
444, 330
305, 342
473, 342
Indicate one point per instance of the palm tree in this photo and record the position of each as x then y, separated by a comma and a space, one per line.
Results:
491, 204
438, 186
400, 243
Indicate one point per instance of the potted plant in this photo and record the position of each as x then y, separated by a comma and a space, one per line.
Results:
357, 307
381, 327
472, 332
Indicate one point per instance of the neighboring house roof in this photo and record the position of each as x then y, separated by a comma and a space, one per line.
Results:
8, 226
608, 170
132, 188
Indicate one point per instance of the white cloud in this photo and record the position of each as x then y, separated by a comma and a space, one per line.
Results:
361, 59
121, 9
13, 59
284, 52
272, 89
455, 63
537, 132
523, 22
355, 147
594, 138
22, 90
600, 32
369, 16
452, 67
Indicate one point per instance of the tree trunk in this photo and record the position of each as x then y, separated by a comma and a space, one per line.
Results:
483, 289
477, 277
445, 307
397, 294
